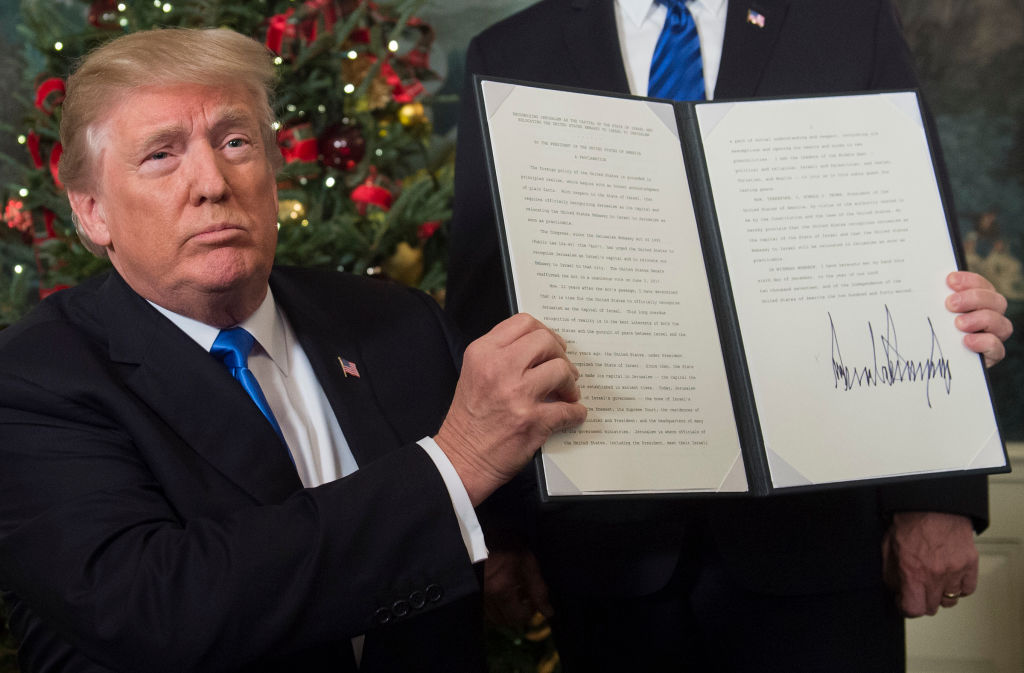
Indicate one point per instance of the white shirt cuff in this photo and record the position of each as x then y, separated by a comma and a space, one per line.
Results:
469, 525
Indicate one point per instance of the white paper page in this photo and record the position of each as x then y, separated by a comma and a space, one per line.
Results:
838, 250
604, 250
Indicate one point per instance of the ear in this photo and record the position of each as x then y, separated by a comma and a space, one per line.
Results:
90, 217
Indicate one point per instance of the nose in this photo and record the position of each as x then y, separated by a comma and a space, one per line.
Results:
208, 181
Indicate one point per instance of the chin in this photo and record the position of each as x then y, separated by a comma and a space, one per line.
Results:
235, 273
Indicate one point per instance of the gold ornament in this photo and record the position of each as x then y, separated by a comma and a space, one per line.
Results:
412, 114
354, 71
290, 210
406, 265
538, 629
548, 663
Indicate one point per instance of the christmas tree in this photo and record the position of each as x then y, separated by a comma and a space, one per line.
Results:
366, 186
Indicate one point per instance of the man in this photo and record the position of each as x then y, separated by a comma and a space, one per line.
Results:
155, 515
790, 583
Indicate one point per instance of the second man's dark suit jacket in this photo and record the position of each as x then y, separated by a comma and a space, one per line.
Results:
814, 543
151, 520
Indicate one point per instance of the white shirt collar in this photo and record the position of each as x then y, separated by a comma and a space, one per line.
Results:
265, 324
639, 11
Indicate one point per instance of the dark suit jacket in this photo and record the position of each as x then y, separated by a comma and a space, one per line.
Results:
789, 544
151, 521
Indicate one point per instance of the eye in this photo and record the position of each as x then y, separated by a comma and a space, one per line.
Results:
237, 142
158, 155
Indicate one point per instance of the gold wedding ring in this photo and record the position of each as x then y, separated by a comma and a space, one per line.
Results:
951, 596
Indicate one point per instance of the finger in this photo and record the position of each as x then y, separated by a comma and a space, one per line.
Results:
986, 345
985, 320
912, 600
560, 416
969, 582
965, 280
554, 380
949, 599
973, 299
933, 599
538, 347
512, 329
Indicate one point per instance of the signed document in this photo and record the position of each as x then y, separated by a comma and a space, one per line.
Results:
753, 291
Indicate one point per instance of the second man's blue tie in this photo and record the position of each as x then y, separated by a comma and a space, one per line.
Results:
232, 347
677, 72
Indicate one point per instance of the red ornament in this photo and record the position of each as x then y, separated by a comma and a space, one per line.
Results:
55, 153
17, 217
297, 143
103, 14
32, 143
428, 229
342, 146
371, 193
50, 94
45, 292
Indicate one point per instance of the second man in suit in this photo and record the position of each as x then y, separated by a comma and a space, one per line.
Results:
792, 583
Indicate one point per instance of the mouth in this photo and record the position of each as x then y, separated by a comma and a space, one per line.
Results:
218, 233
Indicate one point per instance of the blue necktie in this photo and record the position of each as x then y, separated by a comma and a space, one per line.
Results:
232, 347
676, 69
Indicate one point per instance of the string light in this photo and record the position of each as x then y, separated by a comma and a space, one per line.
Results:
167, 7
276, 126
57, 46
321, 109
121, 6
278, 60
349, 88
352, 55
22, 192
329, 182
393, 45
22, 139
18, 268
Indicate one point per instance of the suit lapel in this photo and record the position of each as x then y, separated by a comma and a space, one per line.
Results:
593, 44
196, 396
327, 333
747, 46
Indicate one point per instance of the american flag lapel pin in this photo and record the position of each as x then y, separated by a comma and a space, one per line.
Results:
755, 18
348, 368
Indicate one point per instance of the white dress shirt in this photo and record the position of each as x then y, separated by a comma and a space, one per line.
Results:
639, 24
318, 446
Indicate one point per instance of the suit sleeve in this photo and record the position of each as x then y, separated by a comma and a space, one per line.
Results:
97, 552
894, 68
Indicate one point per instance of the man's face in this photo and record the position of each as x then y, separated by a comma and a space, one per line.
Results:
186, 201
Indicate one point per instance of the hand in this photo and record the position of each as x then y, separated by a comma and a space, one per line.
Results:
514, 591
982, 316
930, 560
517, 387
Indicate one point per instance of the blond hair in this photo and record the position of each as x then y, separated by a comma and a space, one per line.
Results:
214, 57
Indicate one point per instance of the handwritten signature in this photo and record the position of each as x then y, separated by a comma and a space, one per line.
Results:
894, 367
